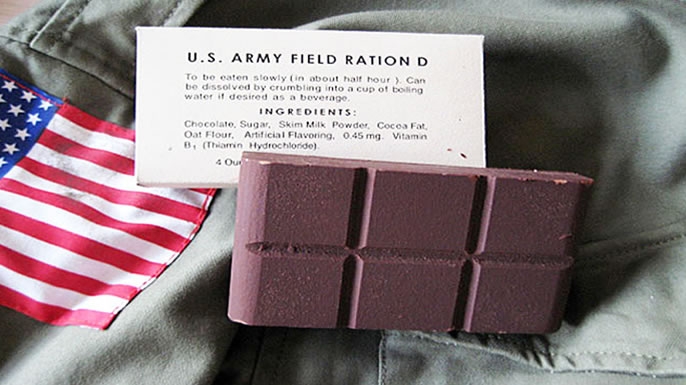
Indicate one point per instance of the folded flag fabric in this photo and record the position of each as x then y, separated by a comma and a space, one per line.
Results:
78, 238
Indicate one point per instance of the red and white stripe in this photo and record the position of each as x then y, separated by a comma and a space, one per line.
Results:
78, 238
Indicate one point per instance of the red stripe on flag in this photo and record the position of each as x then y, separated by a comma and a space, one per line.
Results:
94, 124
61, 278
140, 200
151, 233
110, 160
207, 191
78, 244
51, 314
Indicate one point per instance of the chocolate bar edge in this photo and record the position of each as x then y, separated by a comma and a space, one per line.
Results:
307, 160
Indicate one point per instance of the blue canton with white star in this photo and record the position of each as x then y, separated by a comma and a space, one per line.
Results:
25, 111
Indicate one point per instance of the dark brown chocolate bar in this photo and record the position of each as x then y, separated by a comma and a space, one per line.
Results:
326, 243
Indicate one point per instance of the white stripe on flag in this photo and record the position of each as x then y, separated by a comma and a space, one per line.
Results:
105, 177
124, 213
68, 261
89, 138
112, 237
123, 147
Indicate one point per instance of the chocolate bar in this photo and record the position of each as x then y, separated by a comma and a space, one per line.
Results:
326, 243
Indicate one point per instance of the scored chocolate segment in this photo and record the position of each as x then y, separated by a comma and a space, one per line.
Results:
340, 243
307, 205
404, 213
530, 216
399, 293
509, 293
306, 280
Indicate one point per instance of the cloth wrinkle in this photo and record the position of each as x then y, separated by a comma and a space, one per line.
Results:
280, 355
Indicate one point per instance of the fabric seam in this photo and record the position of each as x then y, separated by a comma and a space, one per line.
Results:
382, 360
45, 54
62, 38
634, 248
550, 353
627, 372
66, 32
35, 33
171, 13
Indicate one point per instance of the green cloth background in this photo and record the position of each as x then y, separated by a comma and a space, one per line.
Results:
596, 87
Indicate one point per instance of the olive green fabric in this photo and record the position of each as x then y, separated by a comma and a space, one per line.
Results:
593, 87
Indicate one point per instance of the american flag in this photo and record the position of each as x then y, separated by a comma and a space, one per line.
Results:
78, 238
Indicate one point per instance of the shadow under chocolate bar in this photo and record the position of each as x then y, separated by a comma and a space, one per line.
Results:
327, 243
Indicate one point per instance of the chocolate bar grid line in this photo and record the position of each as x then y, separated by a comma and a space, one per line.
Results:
357, 256
358, 224
481, 214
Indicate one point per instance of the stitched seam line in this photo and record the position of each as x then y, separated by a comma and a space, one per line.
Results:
171, 13
603, 353
118, 72
35, 34
384, 367
57, 37
633, 249
551, 354
524, 345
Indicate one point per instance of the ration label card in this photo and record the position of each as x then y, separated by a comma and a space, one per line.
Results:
205, 95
